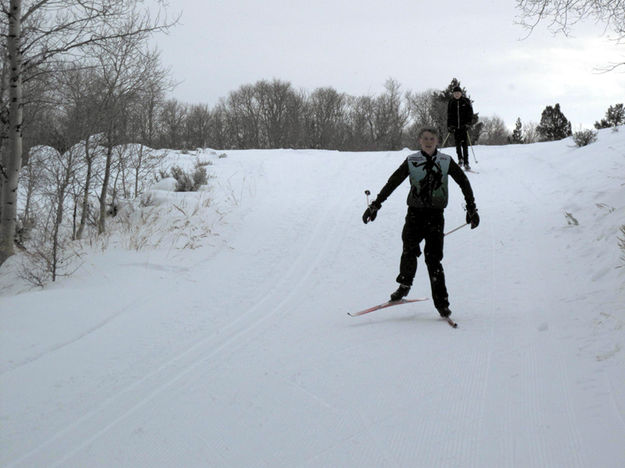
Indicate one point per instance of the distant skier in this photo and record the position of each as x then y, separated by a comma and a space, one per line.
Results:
459, 118
428, 172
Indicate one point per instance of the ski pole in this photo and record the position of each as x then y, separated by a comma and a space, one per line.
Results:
471, 145
447, 136
367, 193
454, 230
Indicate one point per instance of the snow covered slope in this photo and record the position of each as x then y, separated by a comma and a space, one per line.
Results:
237, 351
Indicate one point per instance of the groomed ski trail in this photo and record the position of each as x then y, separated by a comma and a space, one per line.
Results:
248, 359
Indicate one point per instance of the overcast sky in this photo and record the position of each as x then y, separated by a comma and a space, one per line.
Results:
355, 46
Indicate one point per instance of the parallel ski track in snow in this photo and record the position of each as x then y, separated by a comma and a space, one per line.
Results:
45, 352
529, 407
60, 448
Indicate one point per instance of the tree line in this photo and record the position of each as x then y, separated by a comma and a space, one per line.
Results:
274, 114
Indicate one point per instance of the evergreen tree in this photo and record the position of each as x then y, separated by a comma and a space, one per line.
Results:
447, 93
553, 124
517, 133
615, 115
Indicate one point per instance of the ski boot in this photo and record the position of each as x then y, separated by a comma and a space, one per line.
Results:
444, 311
401, 292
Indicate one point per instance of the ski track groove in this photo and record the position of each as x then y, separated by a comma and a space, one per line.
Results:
617, 409
15, 366
464, 408
474, 456
557, 401
332, 239
380, 448
538, 426
366, 426
473, 403
528, 449
179, 372
575, 438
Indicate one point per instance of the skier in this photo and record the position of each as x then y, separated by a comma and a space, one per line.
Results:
459, 118
428, 172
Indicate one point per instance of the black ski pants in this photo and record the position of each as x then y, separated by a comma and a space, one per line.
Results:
428, 225
462, 146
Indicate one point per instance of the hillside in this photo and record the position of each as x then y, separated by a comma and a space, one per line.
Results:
215, 333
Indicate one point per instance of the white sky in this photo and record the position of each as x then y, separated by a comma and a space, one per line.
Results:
355, 46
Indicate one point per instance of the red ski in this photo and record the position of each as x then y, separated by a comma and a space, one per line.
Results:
385, 305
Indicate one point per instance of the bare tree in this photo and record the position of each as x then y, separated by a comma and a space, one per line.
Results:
421, 107
530, 133
12, 157
390, 117
280, 114
55, 174
198, 125
31, 179
563, 15
61, 173
143, 161
38, 33
494, 131
243, 117
80, 107
263, 115
326, 118
218, 127
152, 97
125, 68
172, 118
361, 123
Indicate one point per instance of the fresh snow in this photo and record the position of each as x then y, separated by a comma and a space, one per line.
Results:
213, 329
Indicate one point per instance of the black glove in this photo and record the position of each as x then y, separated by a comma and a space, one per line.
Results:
472, 217
371, 212
451, 129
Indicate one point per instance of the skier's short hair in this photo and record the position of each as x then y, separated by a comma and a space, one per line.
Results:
422, 130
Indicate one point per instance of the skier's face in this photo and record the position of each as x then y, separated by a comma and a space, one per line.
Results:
457, 94
428, 142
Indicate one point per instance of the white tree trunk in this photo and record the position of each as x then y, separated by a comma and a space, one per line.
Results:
105, 184
13, 157
85, 199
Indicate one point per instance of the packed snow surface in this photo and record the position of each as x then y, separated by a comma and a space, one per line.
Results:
213, 331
